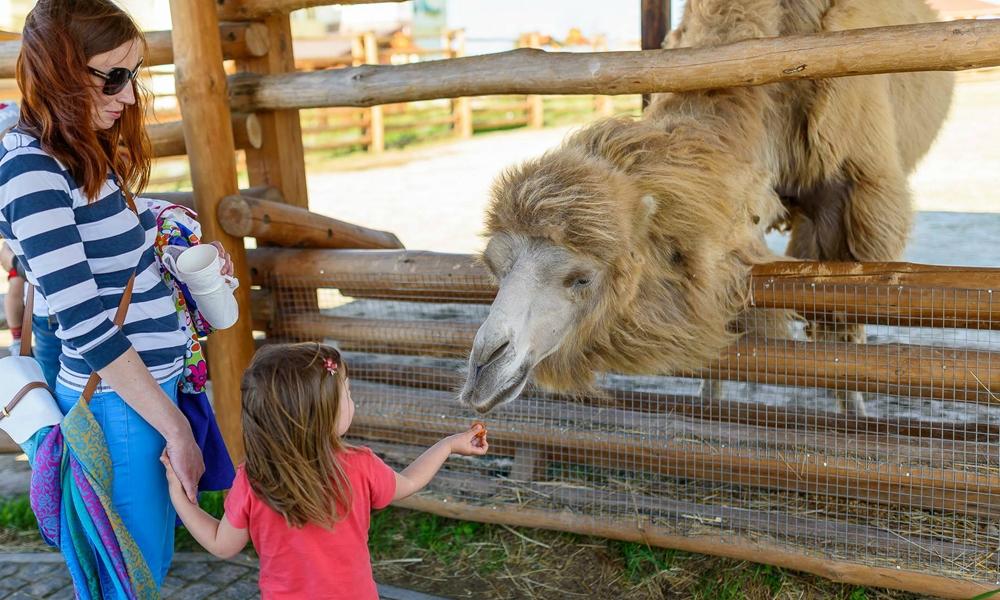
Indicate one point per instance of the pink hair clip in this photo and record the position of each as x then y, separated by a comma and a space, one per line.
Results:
330, 364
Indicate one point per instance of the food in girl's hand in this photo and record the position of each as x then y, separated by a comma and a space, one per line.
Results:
481, 434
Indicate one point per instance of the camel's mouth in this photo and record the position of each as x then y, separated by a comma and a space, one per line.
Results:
494, 385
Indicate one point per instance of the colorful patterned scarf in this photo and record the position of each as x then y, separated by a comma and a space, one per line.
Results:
71, 496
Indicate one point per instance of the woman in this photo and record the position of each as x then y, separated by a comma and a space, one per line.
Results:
79, 142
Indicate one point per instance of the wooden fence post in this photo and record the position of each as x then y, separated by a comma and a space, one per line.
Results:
536, 105
461, 108
376, 126
654, 28
208, 136
280, 161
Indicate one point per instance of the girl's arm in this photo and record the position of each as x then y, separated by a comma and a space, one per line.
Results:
420, 472
220, 538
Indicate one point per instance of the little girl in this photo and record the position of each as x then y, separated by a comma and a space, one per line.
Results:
304, 496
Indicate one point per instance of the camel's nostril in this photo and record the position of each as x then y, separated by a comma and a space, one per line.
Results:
492, 358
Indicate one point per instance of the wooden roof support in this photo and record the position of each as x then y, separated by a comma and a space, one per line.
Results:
208, 134
239, 40
950, 46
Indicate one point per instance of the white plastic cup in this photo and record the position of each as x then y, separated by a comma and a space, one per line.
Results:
199, 268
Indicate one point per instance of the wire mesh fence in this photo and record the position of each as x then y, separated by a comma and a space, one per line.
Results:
862, 426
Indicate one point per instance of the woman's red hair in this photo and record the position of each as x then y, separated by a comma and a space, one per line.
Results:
59, 37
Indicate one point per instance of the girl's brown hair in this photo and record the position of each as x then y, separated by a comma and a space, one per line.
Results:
291, 403
59, 37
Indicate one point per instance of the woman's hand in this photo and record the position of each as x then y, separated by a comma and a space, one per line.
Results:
227, 260
186, 462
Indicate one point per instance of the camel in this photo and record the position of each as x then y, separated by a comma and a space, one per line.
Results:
628, 248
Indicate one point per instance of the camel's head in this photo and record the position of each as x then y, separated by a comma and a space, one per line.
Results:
579, 239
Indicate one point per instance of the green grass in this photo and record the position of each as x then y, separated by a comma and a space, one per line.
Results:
15, 513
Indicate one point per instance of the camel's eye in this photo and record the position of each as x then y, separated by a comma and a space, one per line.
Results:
578, 281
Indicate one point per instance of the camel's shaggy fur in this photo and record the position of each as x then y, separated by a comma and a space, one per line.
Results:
675, 205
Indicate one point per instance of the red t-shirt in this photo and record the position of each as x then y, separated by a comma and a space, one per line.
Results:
313, 562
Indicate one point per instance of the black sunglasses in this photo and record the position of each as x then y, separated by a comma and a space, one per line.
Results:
116, 79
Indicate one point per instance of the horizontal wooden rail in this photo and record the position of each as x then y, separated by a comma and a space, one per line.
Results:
762, 439
286, 225
393, 370
899, 294
737, 547
242, 10
239, 40
948, 46
392, 275
897, 369
167, 139
929, 488
687, 515
186, 199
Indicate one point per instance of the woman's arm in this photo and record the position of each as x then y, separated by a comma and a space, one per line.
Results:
42, 218
220, 538
131, 380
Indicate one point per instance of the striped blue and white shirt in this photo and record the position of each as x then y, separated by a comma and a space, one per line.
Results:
81, 254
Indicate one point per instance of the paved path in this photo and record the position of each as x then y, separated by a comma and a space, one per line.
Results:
193, 576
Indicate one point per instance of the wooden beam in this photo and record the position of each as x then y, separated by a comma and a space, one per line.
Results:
900, 294
208, 134
399, 414
948, 46
239, 40
280, 160
654, 27
731, 546
167, 139
407, 275
186, 199
896, 369
392, 370
242, 10
281, 224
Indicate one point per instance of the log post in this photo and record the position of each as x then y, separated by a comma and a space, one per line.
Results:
461, 108
536, 105
376, 124
208, 134
280, 161
655, 25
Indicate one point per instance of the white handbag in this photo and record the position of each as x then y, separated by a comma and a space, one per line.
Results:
27, 401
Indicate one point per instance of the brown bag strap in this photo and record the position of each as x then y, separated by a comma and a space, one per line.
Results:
94, 380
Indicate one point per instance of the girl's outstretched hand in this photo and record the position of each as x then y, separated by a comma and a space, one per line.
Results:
470, 443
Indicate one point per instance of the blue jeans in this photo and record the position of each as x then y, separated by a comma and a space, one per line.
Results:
46, 347
139, 489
